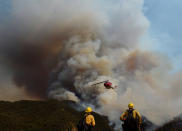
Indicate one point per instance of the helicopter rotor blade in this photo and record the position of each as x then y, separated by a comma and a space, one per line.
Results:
100, 83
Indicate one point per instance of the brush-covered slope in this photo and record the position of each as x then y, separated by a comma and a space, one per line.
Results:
174, 125
51, 115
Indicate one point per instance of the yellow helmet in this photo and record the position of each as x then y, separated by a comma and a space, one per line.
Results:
88, 109
131, 105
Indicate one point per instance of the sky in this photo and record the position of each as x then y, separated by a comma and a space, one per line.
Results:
165, 28
164, 33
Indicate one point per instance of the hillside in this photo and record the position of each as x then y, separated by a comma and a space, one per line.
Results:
48, 115
174, 125
53, 115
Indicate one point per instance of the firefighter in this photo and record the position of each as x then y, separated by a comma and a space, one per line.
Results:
87, 122
132, 119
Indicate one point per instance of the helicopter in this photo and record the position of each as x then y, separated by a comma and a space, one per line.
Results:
107, 84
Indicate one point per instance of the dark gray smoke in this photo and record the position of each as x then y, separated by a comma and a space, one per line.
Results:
29, 57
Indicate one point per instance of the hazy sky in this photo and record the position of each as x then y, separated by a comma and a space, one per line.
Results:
165, 26
165, 29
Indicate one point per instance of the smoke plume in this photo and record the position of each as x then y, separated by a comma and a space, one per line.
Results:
59, 48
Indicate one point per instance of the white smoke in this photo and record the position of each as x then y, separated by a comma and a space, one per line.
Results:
100, 41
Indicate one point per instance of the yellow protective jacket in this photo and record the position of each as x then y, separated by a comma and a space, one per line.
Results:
90, 120
136, 115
